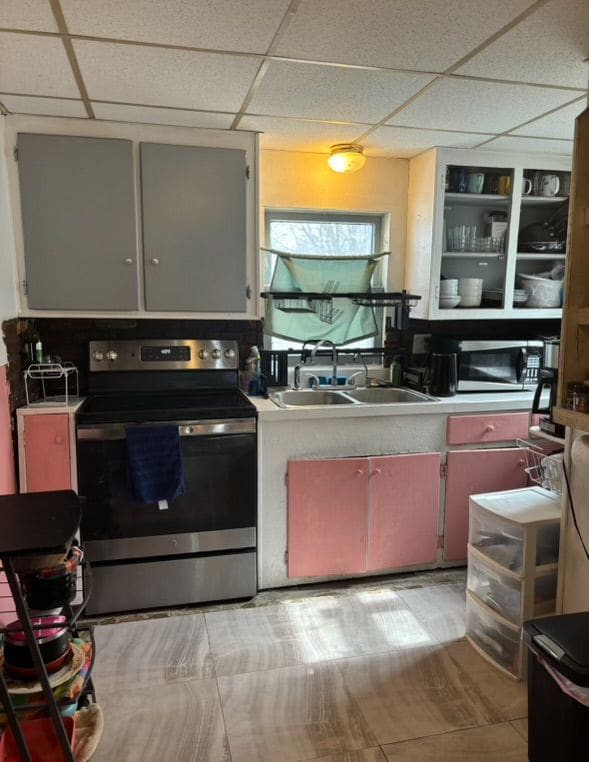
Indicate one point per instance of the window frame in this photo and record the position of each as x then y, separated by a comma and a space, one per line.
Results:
377, 219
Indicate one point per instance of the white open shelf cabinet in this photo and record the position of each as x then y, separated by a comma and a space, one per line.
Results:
427, 260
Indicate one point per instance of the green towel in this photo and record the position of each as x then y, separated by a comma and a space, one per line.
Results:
339, 320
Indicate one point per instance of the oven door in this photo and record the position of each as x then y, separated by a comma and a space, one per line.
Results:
216, 512
492, 366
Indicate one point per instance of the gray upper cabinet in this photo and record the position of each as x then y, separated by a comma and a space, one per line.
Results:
78, 213
194, 228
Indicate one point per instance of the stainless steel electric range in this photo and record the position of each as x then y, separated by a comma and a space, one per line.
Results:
202, 546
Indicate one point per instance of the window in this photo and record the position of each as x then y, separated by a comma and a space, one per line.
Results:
324, 234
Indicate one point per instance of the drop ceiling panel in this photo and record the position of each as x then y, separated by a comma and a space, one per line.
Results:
471, 105
296, 135
530, 145
329, 92
24, 104
223, 24
428, 35
152, 115
404, 142
27, 14
35, 66
560, 124
136, 74
549, 47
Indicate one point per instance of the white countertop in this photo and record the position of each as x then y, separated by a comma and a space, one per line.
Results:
50, 406
461, 403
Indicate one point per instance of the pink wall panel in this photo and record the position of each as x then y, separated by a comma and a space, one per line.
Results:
471, 472
7, 610
47, 452
404, 508
478, 429
7, 475
327, 507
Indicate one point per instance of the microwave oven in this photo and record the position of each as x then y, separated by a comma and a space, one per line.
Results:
489, 366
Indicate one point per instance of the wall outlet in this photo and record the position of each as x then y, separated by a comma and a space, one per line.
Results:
421, 343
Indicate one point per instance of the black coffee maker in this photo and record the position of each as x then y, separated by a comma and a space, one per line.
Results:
443, 374
548, 380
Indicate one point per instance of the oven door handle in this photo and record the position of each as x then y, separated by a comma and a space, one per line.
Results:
522, 368
222, 427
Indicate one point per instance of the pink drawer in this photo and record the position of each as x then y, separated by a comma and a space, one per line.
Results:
477, 429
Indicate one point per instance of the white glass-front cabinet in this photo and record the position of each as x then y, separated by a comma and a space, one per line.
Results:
469, 214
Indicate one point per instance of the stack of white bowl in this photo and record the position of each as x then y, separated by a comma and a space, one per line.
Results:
449, 294
471, 291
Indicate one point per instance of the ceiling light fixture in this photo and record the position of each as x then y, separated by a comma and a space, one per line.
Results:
346, 157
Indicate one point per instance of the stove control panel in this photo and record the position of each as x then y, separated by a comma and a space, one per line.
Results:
163, 354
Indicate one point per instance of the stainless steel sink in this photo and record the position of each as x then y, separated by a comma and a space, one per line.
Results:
373, 396
302, 397
383, 395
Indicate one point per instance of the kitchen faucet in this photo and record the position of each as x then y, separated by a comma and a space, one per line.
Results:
327, 343
318, 345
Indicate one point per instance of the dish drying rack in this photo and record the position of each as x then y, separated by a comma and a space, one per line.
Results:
53, 371
543, 468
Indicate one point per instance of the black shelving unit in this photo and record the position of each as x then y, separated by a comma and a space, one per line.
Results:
35, 524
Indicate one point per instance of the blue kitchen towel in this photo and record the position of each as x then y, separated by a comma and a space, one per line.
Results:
154, 463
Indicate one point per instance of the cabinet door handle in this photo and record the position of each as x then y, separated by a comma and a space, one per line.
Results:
128, 260
376, 471
359, 472
58, 439
490, 428
155, 261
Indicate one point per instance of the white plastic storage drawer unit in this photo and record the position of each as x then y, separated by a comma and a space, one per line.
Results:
512, 569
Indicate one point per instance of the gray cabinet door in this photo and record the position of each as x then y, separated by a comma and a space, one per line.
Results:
194, 228
78, 213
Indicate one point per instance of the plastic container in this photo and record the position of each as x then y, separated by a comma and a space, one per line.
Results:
40, 738
496, 639
542, 292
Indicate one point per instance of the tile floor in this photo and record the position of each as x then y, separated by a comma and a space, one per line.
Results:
373, 673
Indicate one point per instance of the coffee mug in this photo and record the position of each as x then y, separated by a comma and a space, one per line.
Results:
491, 184
504, 185
459, 180
550, 185
475, 183
527, 186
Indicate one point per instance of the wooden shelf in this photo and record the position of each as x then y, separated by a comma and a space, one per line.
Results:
583, 316
571, 418
475, 199
542, 200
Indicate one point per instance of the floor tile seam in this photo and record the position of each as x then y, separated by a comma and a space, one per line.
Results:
445, 733
341, 751
219, 697
396, 650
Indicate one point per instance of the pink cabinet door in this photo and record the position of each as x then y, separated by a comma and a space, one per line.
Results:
404, 508
7, 611
471, 472
327, 506
7, 480
47, 452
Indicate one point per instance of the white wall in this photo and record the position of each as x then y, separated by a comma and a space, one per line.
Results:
293, 180
8, 298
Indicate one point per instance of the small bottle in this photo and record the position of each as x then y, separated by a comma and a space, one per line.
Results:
39, 351
252, 365
395, 373
30, 339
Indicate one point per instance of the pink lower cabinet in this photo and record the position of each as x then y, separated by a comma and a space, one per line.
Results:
45, 446
327, 517
471, 472
353, 515
404, 497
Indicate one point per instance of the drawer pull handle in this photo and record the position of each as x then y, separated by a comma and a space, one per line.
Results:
359, 472
490, 428
376, 471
